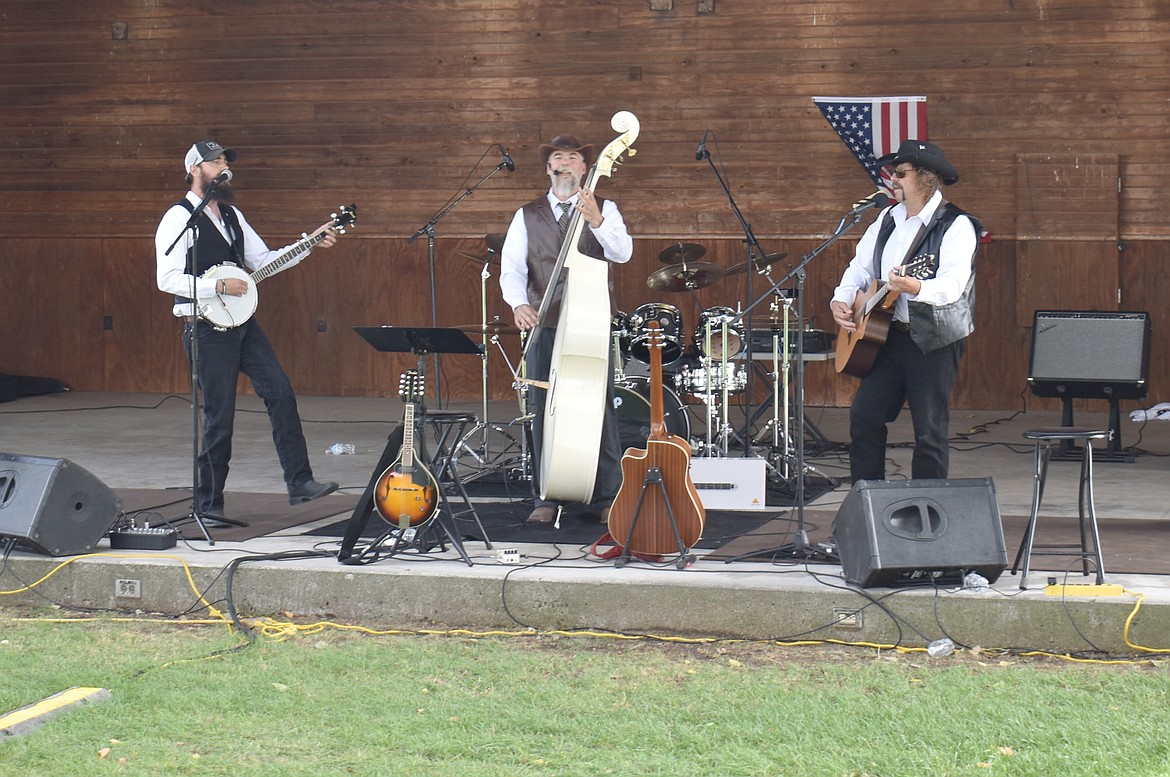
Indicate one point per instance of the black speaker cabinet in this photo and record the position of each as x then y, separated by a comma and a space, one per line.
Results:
1090, 354
901, 532
53, 505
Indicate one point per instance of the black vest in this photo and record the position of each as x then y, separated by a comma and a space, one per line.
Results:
934, 326
544, 246
210, 248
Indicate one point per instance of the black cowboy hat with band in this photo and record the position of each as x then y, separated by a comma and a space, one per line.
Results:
923, 154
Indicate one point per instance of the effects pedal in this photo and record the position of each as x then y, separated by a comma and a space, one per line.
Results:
143, 538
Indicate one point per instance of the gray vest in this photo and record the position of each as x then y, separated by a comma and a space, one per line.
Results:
544, 246
934, 326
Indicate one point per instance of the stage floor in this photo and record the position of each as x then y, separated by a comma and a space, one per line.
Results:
141, 441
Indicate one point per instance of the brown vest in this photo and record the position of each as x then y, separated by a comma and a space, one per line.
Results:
544, 246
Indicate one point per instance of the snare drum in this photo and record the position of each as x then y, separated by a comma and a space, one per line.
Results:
631, 400
714, 318
669, 321
712, 375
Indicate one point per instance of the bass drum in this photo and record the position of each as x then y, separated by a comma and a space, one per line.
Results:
631, 400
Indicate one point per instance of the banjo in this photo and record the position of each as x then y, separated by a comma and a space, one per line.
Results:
227, 312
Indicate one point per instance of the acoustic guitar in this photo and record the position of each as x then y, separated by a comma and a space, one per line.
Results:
406, 492
873, 311
224, 311
668, 457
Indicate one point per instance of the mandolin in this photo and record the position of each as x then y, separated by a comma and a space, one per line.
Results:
228, 312
406, 492
873, 311
650, 528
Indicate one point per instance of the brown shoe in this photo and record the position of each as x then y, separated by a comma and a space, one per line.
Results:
543, 515
605, 514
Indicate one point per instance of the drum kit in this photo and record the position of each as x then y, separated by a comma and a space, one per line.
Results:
705, 365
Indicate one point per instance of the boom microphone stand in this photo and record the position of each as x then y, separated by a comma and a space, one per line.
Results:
800, 547
756, 262
193, 230
429, 230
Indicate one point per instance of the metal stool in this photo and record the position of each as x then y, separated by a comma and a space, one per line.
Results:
449, 427
1044, 439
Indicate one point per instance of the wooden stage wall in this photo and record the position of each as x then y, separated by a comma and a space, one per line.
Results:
1054, 112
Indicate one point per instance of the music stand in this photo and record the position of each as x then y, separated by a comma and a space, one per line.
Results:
421, 341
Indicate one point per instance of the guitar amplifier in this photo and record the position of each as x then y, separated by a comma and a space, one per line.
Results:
815, 340
730, 484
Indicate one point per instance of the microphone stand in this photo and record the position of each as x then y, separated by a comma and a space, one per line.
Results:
429, 230
191, 228
799, 547
753, 248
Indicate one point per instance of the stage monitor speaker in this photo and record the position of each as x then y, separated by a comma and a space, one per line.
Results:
53, 505
1090, 354
903, 532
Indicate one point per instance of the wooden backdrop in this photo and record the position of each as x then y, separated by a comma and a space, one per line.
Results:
1054, 111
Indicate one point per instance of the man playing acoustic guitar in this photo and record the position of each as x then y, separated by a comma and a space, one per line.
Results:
932, 316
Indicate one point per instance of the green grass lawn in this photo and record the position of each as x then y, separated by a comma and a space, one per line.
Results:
192, 699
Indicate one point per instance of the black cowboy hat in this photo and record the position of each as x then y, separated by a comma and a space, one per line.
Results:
567, 143
922, 154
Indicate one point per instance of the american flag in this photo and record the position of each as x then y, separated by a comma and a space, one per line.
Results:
875, 126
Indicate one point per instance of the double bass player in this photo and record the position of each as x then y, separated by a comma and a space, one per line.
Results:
528, 258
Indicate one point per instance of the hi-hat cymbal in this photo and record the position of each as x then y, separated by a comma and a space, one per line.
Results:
684, 277
681, 252
742, 266
491, 257
495, 242
496, 327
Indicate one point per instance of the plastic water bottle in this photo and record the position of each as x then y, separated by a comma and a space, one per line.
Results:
941, 648
338, 448
973, 581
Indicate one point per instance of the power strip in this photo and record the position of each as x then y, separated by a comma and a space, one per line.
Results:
143, 538
508, 556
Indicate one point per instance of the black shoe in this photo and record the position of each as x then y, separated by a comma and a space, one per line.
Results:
310, 490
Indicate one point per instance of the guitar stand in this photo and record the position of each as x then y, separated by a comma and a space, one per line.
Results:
421, 342
654, 478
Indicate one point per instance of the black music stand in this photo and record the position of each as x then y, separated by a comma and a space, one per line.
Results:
422, 342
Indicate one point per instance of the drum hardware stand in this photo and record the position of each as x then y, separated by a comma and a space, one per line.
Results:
800, 546
429, 230
483, 455
421, 342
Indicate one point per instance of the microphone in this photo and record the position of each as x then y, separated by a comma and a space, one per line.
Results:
701, 151
508, 163
875, 200
222, 178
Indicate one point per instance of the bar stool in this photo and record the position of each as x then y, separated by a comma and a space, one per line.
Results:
1044, 438
449, 427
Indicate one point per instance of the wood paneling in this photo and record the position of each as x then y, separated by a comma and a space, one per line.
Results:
397, 106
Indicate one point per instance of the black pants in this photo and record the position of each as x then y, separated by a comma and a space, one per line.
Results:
903, 374
222, 357
609, 473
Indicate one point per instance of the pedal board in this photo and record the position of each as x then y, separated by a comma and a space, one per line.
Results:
143, 538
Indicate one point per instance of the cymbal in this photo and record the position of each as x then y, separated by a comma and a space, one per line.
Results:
681, 252
495, 327
491, 257
742, 266
684, 277
495, 242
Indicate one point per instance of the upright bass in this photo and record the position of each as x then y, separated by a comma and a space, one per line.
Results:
578, 378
